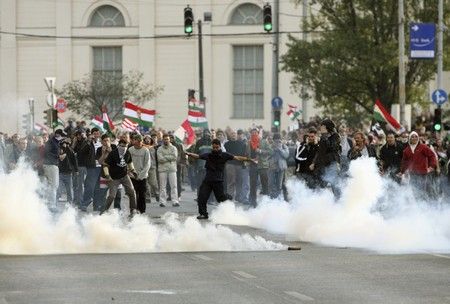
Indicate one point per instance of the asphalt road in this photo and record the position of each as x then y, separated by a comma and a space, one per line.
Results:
315, 274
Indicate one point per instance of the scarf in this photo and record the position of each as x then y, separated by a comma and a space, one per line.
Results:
254, 141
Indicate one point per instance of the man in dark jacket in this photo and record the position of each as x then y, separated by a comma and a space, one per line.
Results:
213, 181
67, 167
304, 156
117, 166
92, 152
328, 154
79, 144
391, 156
50, 166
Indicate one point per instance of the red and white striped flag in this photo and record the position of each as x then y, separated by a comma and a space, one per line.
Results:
129, 125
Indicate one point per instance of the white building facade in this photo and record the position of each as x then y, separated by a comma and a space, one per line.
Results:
68, 39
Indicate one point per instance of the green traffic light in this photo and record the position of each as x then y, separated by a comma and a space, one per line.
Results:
268, 26
276, 123
188, 29
437, 127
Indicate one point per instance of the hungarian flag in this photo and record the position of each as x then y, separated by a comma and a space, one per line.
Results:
97, 122
197, 119
196, 105
185, 134
141, 116
40, 128
108, 125
129, 125
381, 115
293, 112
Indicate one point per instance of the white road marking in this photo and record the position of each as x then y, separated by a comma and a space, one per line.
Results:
163, 292
244, 274
299, 296
440, 255
203, 257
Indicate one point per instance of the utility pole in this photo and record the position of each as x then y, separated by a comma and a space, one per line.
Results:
305, 36
401, 61
276, 55
200, 63
31, 106
440, 35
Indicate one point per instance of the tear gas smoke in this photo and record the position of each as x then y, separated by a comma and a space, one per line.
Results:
372, 212
27, 227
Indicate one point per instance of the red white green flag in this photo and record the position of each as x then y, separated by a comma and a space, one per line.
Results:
293, 112
108, 125
97, 122
144, 117
197, 119
185, 134
381, 115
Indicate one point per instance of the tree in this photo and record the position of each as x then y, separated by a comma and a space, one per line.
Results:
88, 95
353, 57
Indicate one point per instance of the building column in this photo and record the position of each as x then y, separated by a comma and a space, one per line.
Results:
10, 121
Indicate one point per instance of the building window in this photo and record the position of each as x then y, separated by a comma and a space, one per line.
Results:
107, 16
107, 76
247, 14
248, 82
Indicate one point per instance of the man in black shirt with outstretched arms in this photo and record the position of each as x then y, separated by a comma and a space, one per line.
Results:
213, 181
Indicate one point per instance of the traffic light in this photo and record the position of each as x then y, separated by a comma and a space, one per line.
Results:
188, 20
26, 120
267, 17
54, 114
51, 118
276, 118
437, 122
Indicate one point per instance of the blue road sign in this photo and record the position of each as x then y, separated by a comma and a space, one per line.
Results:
439, 97
422, 40
277, 102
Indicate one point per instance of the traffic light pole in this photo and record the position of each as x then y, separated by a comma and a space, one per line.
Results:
440, 47
200, 63
275, 59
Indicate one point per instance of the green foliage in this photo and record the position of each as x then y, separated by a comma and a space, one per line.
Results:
353, 57
86, 96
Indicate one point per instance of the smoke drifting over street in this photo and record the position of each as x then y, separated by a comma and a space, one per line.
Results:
27, 227
372, 212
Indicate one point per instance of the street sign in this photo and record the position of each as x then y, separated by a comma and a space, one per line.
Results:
439, 97
61, 105
277, 102
422, 40
50, 82
51, 100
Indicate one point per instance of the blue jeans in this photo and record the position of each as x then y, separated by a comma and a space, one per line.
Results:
91, 185
79, 185
276, 178
65, 179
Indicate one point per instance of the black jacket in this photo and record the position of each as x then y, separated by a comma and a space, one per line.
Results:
329, 150
391, 156
51, 152
304, 156
69, 164
87, 155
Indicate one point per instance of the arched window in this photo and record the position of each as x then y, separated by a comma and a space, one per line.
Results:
107, 16
247, 13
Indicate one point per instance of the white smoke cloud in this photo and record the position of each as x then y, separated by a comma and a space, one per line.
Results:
27, 227
372, 212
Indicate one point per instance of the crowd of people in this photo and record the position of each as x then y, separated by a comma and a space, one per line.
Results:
84, 166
